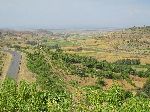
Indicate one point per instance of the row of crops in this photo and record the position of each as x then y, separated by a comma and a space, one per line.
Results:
88, 66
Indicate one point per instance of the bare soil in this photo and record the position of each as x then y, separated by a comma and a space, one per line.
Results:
24, 73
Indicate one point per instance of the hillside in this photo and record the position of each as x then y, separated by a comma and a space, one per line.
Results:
79, 71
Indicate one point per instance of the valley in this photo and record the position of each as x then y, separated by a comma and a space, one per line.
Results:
76, 71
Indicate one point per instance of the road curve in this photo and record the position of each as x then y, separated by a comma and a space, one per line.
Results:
15, 64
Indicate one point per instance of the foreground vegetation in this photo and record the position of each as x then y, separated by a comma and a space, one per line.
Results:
50, 92
29, 98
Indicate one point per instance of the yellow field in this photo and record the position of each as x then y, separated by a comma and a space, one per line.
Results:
106, 49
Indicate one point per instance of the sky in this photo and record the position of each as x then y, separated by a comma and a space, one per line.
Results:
74, 13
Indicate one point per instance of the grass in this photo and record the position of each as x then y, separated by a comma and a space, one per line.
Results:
139, 68
4, 65
24, 73
61, 42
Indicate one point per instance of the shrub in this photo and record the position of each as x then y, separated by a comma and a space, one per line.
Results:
100, 82
146, 87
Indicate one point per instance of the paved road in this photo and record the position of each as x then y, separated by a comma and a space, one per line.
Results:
15, 64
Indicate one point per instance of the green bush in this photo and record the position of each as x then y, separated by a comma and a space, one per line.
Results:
146, 87
100, 82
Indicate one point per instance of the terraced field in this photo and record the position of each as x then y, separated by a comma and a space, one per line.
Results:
105, 73
111, 46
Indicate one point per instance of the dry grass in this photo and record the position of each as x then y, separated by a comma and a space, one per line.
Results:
89, 81
82, 81
7, 61
108, 48
139, 83
24, 73
108, 51
111, 57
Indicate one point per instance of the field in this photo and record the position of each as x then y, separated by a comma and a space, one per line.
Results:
80, 71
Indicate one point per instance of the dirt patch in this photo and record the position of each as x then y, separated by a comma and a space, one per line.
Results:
137, 81
89, 81
24, 73
122, 83
7, 61
82, 81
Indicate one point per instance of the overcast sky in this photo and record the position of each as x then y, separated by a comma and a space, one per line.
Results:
73, 13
